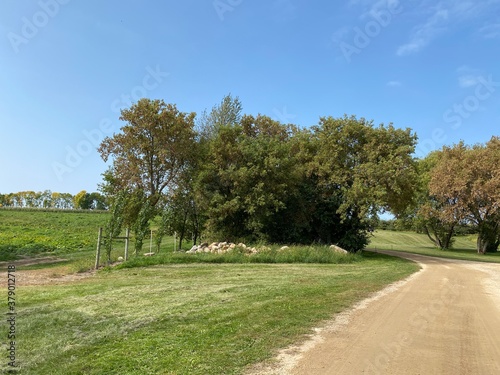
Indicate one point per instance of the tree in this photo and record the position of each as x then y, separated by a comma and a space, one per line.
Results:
82, 201
248, 176
426, 211
148, 156
152, 147
227, 113
466, 183
371, 168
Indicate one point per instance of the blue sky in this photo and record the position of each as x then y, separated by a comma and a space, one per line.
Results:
68, 66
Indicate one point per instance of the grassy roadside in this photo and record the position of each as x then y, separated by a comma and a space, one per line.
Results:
189, 318
411, 242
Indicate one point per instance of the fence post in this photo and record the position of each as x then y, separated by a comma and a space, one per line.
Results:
127, 235
151, 242
98, 251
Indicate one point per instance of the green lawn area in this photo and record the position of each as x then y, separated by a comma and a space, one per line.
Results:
189, 318
464, 246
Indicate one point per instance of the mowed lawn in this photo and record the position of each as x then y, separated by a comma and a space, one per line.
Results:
464, 246
188, 318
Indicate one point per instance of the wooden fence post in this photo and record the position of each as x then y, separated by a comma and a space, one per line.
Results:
127, 235
98, 251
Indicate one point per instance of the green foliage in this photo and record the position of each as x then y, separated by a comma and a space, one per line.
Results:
465, 186
371, 166
148, 156
249, 174
246, 178
227, 113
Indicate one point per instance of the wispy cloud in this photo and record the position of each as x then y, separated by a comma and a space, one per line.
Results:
446, 15
490, 31
423, 34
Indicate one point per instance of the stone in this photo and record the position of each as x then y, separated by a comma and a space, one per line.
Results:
338, 249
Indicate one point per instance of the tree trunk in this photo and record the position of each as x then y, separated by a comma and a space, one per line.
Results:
447, 238
481, 245
435, 241
488, 238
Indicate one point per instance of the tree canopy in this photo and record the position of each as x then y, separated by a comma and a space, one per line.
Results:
466, 184
151, 149
244, 177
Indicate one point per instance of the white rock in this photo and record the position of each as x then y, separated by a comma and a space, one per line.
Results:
338, 249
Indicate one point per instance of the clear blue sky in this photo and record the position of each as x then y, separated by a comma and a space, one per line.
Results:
67, 66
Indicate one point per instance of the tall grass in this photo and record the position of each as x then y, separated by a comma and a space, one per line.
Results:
270, 255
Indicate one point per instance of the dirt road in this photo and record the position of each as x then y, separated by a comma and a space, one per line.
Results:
444, 319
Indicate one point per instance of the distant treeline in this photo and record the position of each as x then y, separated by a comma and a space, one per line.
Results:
54, 200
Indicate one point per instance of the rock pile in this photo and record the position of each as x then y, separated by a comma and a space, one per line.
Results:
225, 247
221, 248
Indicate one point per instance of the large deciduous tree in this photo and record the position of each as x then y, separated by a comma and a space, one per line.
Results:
248, 175
427, 209
147, 156
370, 167
151, 148
466, 183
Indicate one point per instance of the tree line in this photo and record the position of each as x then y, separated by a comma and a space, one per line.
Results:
54, 200
236, 177
230, 176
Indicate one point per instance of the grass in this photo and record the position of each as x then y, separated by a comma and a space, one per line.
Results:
270, 254
187, 318
56, 233
464, 247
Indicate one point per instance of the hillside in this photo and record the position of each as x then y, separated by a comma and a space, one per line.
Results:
30, 232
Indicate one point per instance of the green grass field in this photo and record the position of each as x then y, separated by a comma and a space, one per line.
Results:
186, 319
